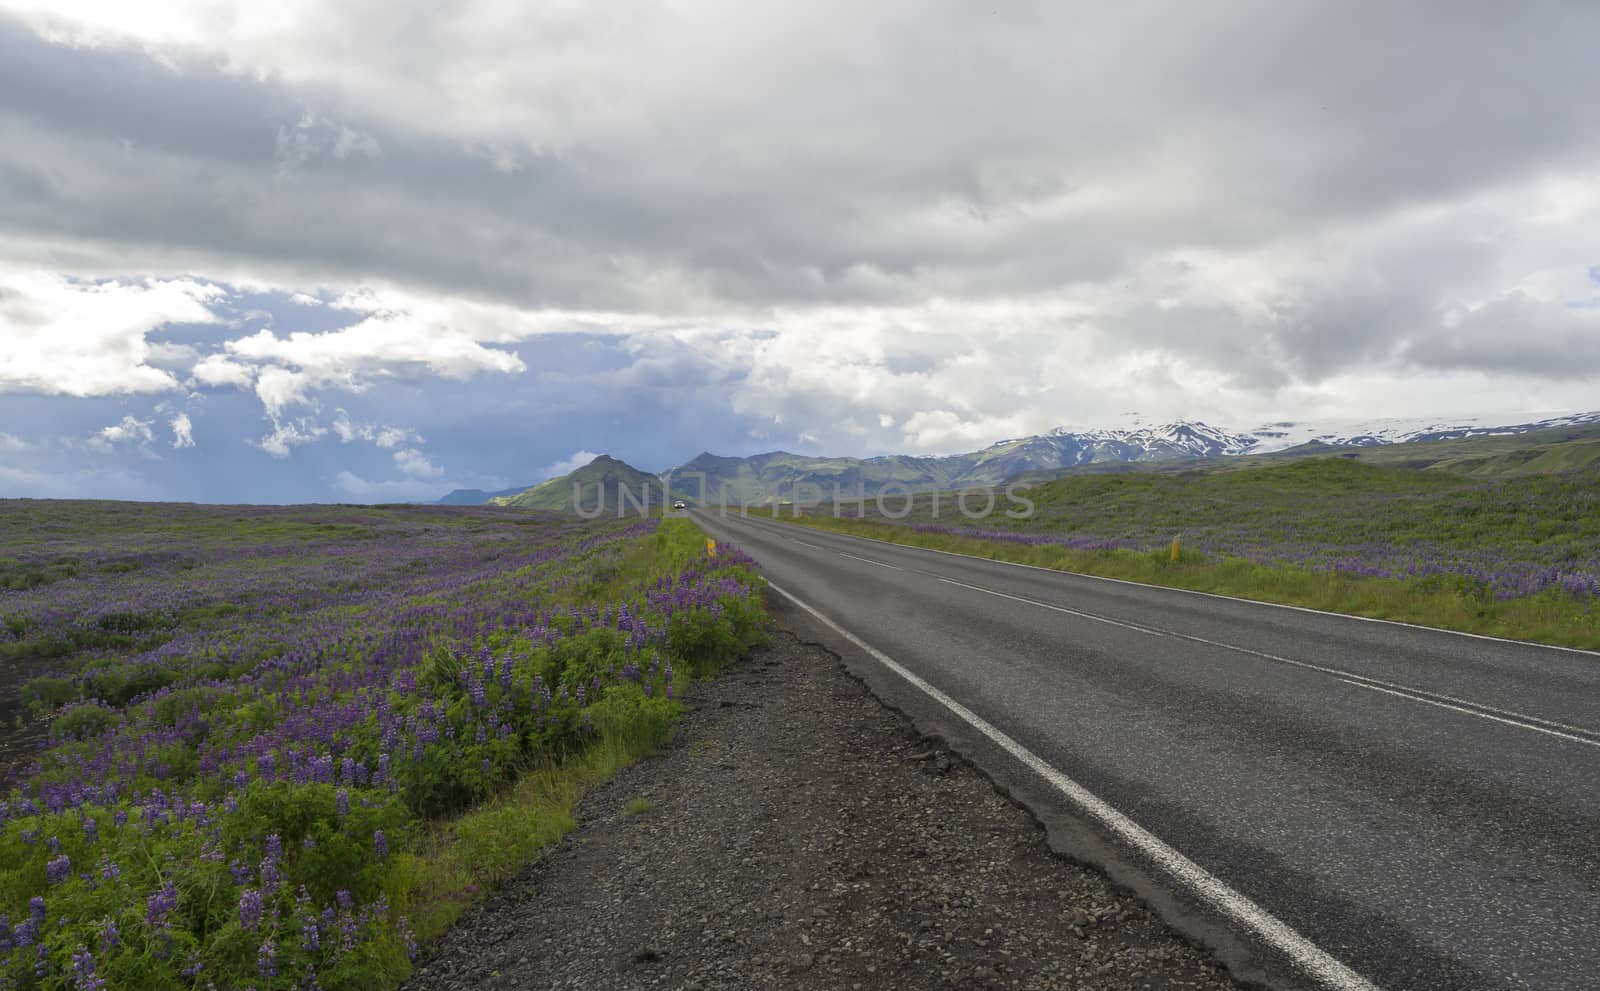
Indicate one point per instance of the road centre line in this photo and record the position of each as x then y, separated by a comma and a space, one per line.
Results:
868, 560
1191, 591
1470, 712
1508, 717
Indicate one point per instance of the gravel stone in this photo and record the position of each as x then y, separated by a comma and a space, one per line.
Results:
804, 836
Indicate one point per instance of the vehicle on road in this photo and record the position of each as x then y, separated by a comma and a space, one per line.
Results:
680, 504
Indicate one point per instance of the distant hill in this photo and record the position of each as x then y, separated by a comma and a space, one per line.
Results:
605, 478
476, 497
778, 475
1470, 447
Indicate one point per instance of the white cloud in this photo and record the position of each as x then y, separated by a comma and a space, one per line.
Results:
217, 370
290, 369
386, 437
289, 434
182, 431
383, 343
416, 464
63, 337
11, 444
567, 466
131, 431
279, 388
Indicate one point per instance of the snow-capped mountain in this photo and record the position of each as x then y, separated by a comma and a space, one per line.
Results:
778, 474
1396, 430
1177, 439
1066, 447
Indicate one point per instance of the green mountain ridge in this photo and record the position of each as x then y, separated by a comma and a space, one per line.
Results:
604, 484
782, 476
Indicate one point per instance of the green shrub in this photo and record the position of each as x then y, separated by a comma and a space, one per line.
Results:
83, 720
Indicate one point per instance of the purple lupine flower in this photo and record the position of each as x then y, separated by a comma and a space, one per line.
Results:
267, 959
274, 846
310, 935
109, 940
270, 877
83, 975
380, 844
342, 798
91, 832
342, 896
109, 870
36, 909
408, 939
157, 906
249, 908
58, 870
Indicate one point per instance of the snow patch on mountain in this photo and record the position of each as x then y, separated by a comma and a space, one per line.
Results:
1402, 430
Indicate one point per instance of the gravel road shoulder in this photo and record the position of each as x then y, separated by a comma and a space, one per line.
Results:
799, 834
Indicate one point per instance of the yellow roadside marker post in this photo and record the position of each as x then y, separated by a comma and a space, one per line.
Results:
1174, 550
711, 547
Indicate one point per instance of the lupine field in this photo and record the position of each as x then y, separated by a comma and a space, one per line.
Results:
274, 748
1518, 556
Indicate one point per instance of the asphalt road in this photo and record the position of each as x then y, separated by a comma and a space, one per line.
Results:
1422, 806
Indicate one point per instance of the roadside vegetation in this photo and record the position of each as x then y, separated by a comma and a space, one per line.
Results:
288, 746
1516, 557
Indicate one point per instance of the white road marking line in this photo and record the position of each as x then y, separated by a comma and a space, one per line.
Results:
868, 560
1478, 709
1470, 712
1046, 605
1218, 595
807, 543
1311, 959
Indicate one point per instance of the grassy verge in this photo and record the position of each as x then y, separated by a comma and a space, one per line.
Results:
463, 860
1548, 617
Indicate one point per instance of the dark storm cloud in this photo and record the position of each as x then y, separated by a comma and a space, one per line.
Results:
122, 94
673, 162
1517, 335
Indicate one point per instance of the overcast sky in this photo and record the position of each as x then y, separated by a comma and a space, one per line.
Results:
329, 250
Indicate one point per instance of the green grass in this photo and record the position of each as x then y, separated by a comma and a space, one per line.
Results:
465, 859
638, 806
1447, 551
